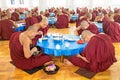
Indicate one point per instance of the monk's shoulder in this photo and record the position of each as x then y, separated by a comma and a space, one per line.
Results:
24, 39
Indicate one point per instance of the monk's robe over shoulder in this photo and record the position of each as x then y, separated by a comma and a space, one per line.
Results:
92, 27
117, 18
62, 21
30, 21
15, 16
6, 29
112, 29
99, 52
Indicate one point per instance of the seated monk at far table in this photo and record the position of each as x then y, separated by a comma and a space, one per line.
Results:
98, 55
6, 27
111, 28
22, 56
84, 25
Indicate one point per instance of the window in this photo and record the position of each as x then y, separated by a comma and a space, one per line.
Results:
21, 1
12, 2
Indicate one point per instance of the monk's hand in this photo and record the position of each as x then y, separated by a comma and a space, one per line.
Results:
34, 50
39, 33
78, 55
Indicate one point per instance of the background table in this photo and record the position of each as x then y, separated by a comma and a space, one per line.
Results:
74, 17
99, 25
21, 27
51, 20
49, 46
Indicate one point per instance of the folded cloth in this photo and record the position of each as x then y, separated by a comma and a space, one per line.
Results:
86, 73
80, 41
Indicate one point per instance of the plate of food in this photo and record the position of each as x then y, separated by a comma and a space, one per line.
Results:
51, 69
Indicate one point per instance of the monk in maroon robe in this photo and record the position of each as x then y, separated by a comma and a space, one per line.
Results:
43, 28
22, 56
86, 17
6, 28
98, 55
62, 21
117, 18
15, 16
112, 29
30, 20
84, 25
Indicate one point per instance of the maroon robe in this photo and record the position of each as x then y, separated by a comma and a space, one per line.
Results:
93, 16
44, 30
34, 41
18, 58
15, 16
30, 21
79, 21
6, 29
99, 52
117, 18
92, 27
62, 21
112, 29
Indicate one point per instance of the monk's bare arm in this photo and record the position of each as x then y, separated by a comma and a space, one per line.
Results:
14, 23
76, 31
83, 58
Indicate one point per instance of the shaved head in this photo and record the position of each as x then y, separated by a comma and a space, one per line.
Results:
88, 15
84, 24
86, 35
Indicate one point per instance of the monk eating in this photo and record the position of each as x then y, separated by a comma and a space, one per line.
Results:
98, 55
21, 53
84, 25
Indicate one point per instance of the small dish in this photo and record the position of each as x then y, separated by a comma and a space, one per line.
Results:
51, 69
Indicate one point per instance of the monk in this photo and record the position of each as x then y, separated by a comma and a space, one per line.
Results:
62, 21
21, 53
15, 16
112, 28
86, 17
30, 20
84, 25
42, 25
98, 55
6, 27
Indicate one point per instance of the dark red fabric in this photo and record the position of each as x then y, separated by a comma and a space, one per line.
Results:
92, 27
17, 55
39, 18
34, 41
15, 16
105, 19
62, 21
113, 30
99, 52
6, 29
117, 18
79, 21
30, 21
93, 16
47, 14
